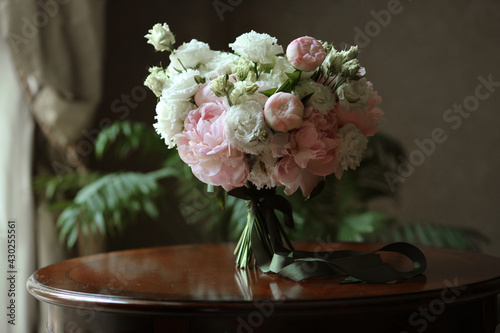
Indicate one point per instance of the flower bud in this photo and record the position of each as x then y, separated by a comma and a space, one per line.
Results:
242, 88
243, 68
156, 80
284, 112
221, 86
327, 46
305, 53
351, 68
333, 62
351, 53
161, 37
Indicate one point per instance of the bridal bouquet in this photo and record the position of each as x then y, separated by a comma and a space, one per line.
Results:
262, 117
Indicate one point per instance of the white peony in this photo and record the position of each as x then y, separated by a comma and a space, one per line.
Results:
353, 145
263, 167
161, 37
246, 128
191, 55
257, 47
170, 116
182, 85
322, 98
354, 94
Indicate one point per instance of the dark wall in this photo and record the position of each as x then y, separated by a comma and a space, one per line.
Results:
423, 57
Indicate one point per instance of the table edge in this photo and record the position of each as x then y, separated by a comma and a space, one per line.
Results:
121, 304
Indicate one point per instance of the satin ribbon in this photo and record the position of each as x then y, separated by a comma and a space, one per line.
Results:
300, 265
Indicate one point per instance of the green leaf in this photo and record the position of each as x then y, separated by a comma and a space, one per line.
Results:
164, 172
352, 228
62, 185
306, 98
269, 92
294, 77
99, 222
73, 236
150, 208
221, 196
67, 221
61, 205
112, 201
287, 86
124, 137
317, 190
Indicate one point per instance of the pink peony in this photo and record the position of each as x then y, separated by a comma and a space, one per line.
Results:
283, 111
206, 95
305, 53
310, 153
203, 146
314, 145
290, 175
366, 120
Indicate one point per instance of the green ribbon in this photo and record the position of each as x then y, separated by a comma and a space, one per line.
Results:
358, 266
300, 265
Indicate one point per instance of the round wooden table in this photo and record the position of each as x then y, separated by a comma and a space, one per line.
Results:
196, 288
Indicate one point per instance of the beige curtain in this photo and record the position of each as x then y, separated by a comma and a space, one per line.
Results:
57, 47
16, 200
53, 68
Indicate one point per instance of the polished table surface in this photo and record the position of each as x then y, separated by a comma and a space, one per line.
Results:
197, 288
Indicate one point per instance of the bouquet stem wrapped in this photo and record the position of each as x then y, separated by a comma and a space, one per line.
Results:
264, 242
263, 234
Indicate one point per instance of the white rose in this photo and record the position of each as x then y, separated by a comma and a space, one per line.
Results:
170, 116
161, 37
181, 86
191, 55
261, 172
352, 147
322, 98
257, 47
354, 94
246, 128
221, 64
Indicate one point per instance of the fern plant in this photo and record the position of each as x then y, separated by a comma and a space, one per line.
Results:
107, 203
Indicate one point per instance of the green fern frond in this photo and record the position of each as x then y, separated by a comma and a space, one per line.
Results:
69, 182
111, 202
124, 137
352, 228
